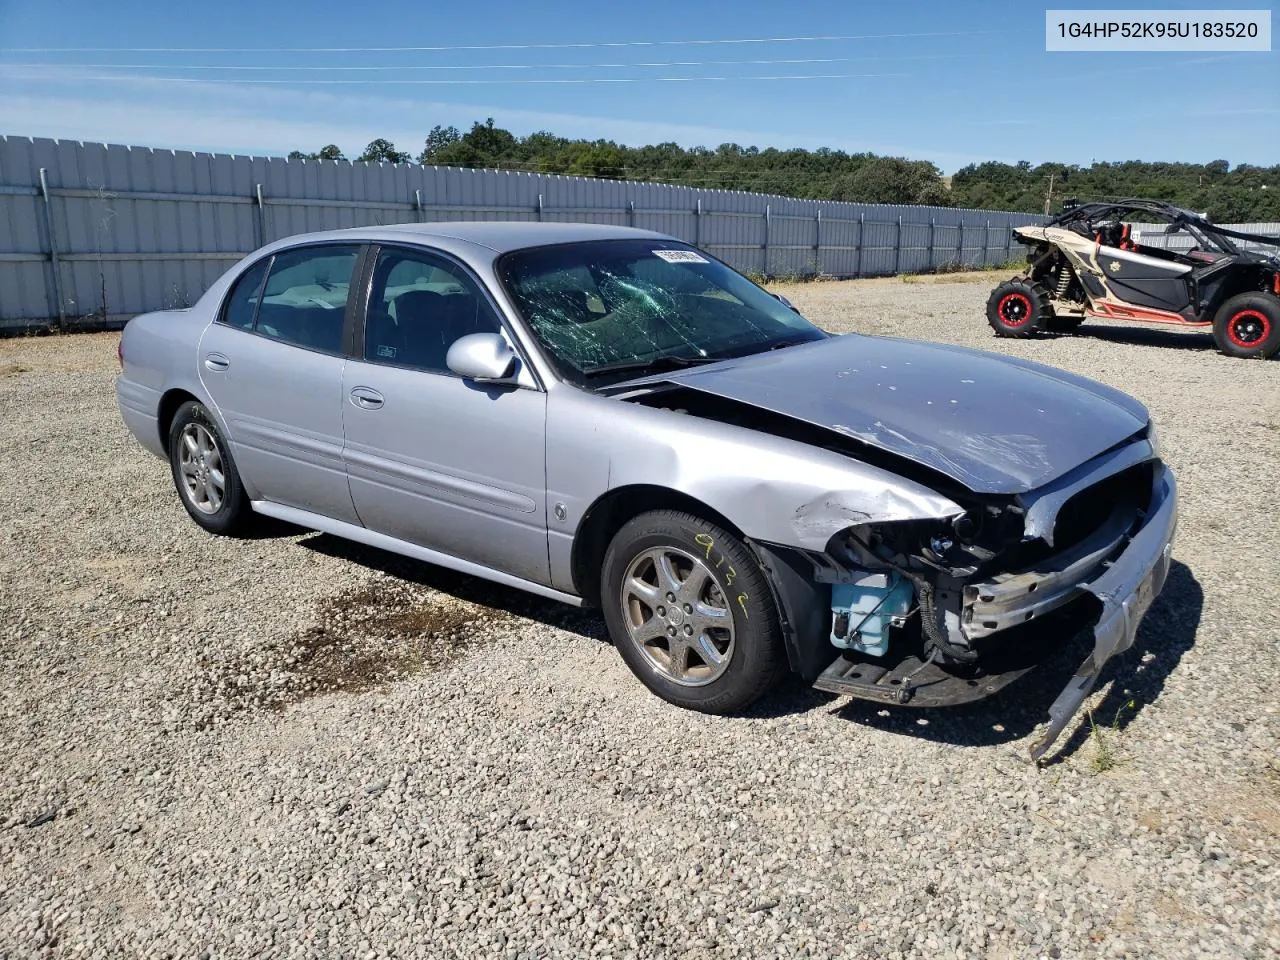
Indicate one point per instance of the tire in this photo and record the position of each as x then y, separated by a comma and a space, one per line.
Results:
198, 456
1018, 308
1248, 326
719, 662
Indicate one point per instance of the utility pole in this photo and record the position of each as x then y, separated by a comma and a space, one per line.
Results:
1048, 197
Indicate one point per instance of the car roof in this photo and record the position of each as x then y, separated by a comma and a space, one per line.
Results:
499, 236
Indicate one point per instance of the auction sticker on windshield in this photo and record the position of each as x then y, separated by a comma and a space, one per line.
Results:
680, 256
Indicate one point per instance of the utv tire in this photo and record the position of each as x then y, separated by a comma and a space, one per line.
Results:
1248, 326
204, 473
691, 612
1018, 308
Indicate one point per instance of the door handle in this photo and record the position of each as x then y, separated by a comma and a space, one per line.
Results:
365, 398
216, 361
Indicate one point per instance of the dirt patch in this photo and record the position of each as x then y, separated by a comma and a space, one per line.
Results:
362, 639
377, 635
59, 353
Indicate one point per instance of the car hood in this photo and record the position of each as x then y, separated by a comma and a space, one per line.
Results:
992, 423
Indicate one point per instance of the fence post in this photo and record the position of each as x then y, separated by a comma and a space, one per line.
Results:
539, 211
1008, 243
933, 231
261, 202
631, 213
417, 203
817, 244
697, 224
986, 242
897, 249
768, 219
53, 247
857, 251
960, 244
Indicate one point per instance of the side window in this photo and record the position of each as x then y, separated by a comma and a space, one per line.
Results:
243, 302
305, 297
418, 306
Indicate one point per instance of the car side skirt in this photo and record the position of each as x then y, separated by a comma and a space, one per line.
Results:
371, 538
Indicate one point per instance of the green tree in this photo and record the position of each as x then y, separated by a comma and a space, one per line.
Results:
894, 180
384, 151
439, 138
1228, 194
330, 152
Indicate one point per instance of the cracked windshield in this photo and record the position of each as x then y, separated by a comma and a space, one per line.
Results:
613, 310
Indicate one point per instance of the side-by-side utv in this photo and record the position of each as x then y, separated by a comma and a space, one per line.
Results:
1085, 263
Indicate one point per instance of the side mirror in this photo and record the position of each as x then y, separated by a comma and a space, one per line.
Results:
485, 357
785, 302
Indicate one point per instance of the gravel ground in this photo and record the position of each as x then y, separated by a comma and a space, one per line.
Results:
291, 746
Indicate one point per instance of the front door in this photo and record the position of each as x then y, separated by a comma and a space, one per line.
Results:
272, 364
434, 459
1143, 280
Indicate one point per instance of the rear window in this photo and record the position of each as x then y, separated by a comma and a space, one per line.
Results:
305, 298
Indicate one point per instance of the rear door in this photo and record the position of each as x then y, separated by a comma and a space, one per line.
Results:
273, 364
434, 459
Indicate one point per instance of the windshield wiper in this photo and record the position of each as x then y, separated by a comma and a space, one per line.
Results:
757, 348
653, 364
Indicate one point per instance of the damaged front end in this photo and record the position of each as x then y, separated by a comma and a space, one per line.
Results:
948, 611
1022, 522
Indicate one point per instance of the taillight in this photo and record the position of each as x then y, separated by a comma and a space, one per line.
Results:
120, 351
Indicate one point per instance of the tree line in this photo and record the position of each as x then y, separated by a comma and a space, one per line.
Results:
1227, 194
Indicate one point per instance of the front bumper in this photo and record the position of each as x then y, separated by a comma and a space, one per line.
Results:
1123, 569
1126, 590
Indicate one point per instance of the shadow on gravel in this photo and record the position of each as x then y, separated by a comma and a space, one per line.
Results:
369, 637
269, 528
463, 587
1167, 632
1136, 335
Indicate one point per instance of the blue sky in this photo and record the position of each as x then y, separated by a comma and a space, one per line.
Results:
950, 82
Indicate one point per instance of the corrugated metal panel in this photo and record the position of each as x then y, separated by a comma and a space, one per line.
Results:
1153, 235
138, 229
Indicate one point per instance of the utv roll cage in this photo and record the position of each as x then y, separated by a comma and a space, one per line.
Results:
1178, 219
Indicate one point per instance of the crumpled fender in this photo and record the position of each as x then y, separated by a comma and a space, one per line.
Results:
772, 488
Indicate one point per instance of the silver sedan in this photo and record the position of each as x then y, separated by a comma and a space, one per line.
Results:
613, 417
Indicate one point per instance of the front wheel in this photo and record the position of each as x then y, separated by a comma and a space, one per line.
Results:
1018, 308
1248, 326
691, 613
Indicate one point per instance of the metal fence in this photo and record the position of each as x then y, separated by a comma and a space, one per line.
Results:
1153, 235
103, 232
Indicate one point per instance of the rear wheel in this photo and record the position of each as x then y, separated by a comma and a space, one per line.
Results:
690, 612
1018, 308
1248, 325
204, 473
